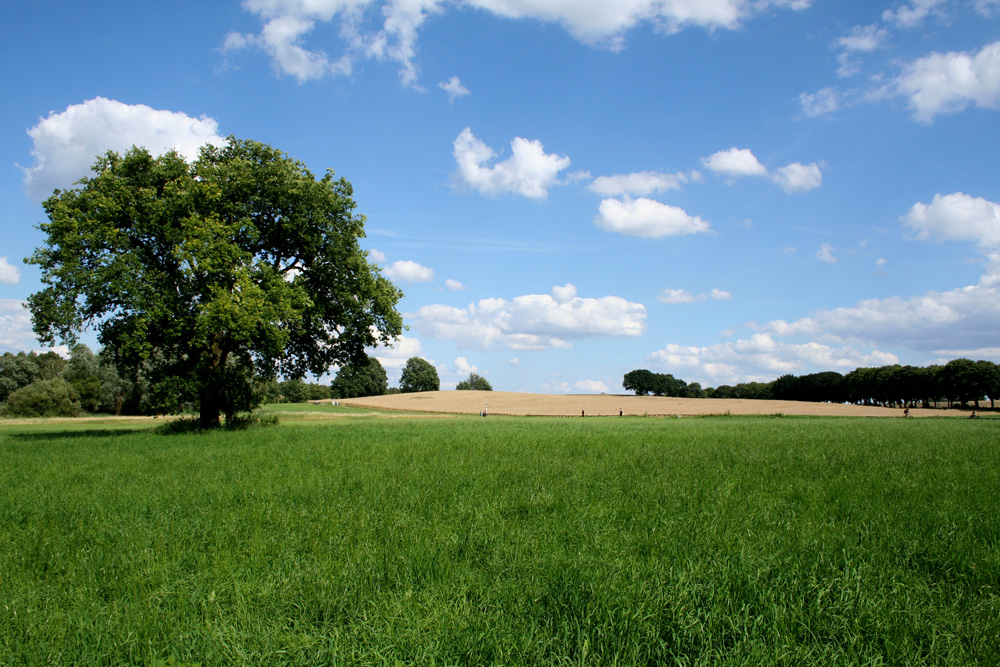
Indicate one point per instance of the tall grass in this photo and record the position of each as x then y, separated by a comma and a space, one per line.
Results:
732, 541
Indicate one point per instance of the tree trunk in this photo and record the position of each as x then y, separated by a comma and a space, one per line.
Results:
210, 396
210, 409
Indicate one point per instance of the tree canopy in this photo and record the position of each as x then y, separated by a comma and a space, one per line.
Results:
212, 275
364, 378
475, 381
418, 375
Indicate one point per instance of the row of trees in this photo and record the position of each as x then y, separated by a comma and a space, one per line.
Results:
37, 385
961, 381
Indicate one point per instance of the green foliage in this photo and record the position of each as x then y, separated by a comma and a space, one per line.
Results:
475, 382
294, 391
366, 378
419, 375
644, 382
715, 541
16, 371
44, 398
241, 259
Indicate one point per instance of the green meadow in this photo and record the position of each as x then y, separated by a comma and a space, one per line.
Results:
502, 541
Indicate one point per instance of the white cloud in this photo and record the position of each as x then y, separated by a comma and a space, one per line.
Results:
950, 82
956, 217
681, 296
678, 296
66, 144
388, 29
454, 285
16, 334
821, 102
761, 358
797, 177
409, 271
863, 38
9, 274
533, 321
640, 183
395, 357
968, 317
987, 8
647, 218
591, 386
738, 162
376, 256
529, 171
463, 367
601, 22
910, 15
391, 36
735, 162
825, 253
454, 88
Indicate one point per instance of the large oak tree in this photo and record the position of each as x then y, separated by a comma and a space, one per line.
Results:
212, 275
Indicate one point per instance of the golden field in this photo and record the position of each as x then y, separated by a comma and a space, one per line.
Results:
607, 405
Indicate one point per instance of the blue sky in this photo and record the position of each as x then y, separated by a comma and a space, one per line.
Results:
569, 190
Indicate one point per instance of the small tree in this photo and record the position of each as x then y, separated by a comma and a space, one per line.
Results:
641, 381
419, 375
366, 378
475, 382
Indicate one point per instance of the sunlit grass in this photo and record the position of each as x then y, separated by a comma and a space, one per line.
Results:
504, 541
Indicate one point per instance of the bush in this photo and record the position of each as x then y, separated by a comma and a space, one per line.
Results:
47, 398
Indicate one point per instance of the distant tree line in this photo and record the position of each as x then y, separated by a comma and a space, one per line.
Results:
47, 385
960, 381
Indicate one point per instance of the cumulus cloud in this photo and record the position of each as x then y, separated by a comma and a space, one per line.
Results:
647, 218
454, 285
797, 177
968, 318
376, 256
533, 321
681, 296
735, 162
409, 271
911, 14
395, 357
66, 144
762, 358
368, 29
678, 296
739, 162
9, 274
454, 88
944, 83
389, 29
640, 183
956, 217
825, 253
820, 103
591, 386
863, 38
16, 334
463, 367
529, 171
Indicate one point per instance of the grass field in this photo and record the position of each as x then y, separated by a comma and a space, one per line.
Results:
514, 541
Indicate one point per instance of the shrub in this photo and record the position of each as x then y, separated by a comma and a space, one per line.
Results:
47, 398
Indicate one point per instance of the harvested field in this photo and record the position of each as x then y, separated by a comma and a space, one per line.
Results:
604, 405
